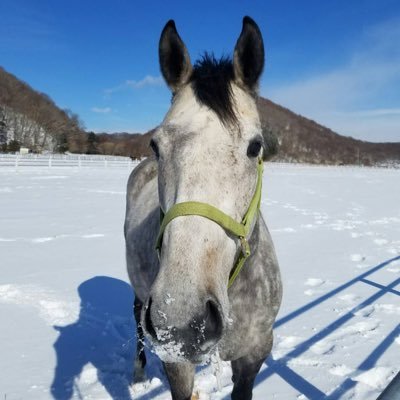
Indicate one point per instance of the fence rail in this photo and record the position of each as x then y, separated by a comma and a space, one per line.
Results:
61, 160
84, 160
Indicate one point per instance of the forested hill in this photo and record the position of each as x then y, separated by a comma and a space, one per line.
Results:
31, 119
303, 140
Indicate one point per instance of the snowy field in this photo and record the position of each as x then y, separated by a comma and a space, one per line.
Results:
65, 306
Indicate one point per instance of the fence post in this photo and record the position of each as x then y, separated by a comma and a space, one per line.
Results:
50, 161
79, 162
16, 162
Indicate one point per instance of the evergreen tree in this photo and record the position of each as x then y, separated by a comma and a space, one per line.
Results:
13, 146
92, 143
62, 143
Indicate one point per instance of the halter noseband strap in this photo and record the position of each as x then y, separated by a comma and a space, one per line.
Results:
239, 229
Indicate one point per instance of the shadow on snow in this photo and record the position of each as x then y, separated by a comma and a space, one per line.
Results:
299, 383
103, 336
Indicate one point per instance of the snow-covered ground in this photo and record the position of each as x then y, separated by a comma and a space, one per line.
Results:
65, 305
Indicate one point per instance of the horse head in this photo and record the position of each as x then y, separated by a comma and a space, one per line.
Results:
208, 149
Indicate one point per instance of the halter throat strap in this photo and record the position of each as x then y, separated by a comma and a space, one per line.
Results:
239, 229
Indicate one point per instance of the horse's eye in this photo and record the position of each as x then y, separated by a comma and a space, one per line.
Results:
154, 147
254, 148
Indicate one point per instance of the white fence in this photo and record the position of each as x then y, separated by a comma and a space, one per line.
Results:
383, 166
61, 160
83, 160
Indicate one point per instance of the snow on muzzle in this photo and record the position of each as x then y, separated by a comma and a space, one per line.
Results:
193, 341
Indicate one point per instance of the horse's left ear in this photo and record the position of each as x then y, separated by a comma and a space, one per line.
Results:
248, 57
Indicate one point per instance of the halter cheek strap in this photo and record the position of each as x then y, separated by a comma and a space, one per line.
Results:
238, 229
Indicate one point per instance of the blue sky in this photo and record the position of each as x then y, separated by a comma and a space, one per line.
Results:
336, 61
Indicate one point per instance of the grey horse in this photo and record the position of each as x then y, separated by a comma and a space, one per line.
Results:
207, 149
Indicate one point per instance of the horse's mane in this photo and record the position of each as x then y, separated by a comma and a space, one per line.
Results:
211, 80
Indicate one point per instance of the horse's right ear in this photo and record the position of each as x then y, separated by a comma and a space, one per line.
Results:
174, 58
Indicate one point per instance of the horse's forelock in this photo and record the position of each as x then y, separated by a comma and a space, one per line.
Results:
211, 82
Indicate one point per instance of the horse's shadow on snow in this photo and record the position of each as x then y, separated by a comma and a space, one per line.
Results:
104, 337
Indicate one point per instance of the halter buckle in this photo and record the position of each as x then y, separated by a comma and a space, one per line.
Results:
245, 246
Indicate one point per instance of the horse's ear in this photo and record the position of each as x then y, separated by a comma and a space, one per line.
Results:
174, 58
248, 57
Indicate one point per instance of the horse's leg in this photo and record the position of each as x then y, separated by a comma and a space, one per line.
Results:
140, 358
245, 370
181, 378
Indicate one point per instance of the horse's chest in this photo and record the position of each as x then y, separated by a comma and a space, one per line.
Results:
250, 326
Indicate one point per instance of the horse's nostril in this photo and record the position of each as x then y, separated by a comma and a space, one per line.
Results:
213, 321
147, 320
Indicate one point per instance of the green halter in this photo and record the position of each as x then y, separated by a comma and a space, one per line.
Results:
239, 229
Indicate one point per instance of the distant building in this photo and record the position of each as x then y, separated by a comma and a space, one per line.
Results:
24, 150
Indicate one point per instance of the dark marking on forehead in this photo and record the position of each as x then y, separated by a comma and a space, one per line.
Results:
177, 132
170, 129
211, 82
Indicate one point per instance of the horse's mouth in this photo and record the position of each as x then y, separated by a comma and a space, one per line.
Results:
194, 342
173, 352
172, 345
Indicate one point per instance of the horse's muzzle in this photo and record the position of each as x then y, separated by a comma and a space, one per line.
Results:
191, 342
